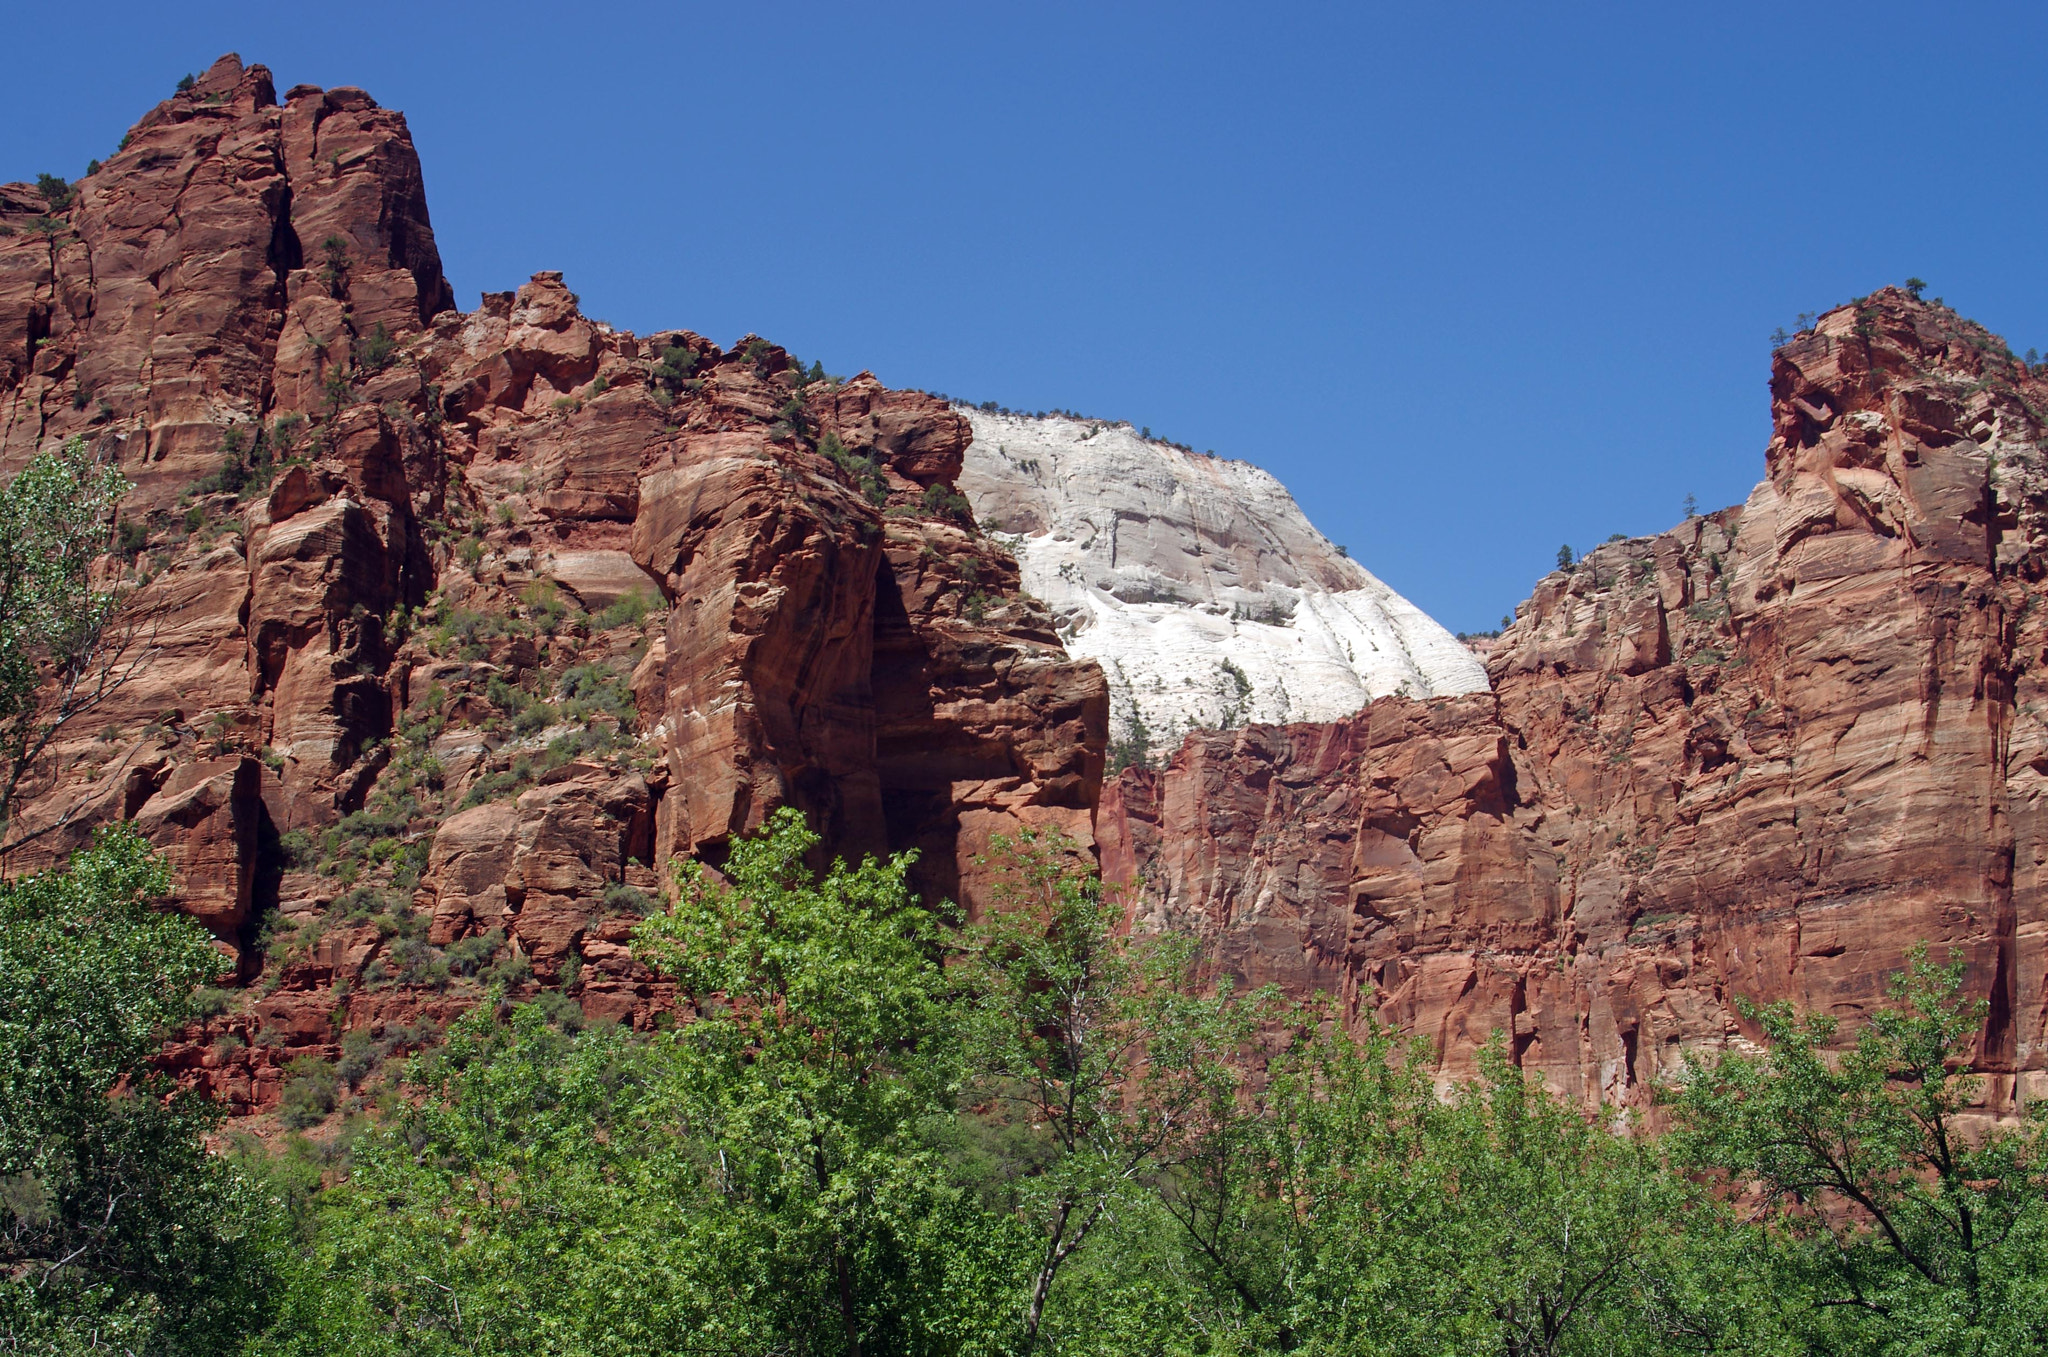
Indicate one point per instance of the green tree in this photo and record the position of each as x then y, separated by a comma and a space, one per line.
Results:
120, 1230
823, 1048
1911, 1229
62, 648
1110, 1050
531, 1196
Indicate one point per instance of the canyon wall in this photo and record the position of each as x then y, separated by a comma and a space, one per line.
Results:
451, 627
1758, 756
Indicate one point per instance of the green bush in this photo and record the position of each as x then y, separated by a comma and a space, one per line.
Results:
312, 1088
944, 501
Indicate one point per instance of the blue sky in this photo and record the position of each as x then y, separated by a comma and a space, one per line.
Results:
1472, 280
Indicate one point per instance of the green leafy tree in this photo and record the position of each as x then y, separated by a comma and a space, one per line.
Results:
823, 1047
1909, 1226
121, 1233
1341, 1205
531, 1196
63, 649
1110, 1050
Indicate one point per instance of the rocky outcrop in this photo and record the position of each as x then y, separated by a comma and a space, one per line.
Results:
451, 627
1760, 755
1196, 582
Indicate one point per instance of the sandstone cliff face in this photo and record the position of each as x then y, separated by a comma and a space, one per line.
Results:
454, 626
1197, 582
1759, 755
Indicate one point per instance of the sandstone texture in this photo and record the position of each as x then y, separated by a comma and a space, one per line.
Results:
1760, 755
451, 628
1196, 582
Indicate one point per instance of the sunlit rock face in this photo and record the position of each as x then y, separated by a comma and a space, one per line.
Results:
1196, 582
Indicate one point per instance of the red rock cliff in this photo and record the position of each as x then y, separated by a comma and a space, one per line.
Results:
455, 625
1759, 755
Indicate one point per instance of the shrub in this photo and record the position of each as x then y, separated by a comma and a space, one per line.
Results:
471, 552
863, 471
133, 536
334, 266
505, 514
311, 1089
55, 191
945, 502
376, 349
470, 955
186, 82
630, 610
672, 374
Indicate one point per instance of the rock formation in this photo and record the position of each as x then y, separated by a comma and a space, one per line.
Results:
1760, 755
1196, 582
453, 626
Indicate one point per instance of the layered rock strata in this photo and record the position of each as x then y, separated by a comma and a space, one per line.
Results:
1758, 756
451, 626
1196, 582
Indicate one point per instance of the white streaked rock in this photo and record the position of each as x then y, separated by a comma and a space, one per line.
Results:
1197, 583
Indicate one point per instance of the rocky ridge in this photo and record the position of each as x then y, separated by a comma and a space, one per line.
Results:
453, 626
1759, 755
1196, 582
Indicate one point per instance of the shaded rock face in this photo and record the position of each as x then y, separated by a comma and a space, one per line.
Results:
1759, 755
453, 627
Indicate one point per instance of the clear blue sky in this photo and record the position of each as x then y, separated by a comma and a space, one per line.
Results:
1472, 280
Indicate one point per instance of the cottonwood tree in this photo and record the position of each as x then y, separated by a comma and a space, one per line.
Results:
63, 644
1109, 1049
118, 1231
1908, 1228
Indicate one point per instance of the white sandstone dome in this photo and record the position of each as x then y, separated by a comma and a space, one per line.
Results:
1197, 583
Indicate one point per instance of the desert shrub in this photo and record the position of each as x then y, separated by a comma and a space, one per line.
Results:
588, 690
312, 1087
630, 610
944, 501
863, 471
376, 349
470, 955
672, 374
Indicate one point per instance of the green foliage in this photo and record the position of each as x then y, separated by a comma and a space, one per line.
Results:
1907, 1230
628, 610
943, 501
1565, 557
863, 471
60, 648
120, 1231
376, 350
1916, 286
1132, 749
1106, 1051
55, 191
311, 1088
672, 375
334, 266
